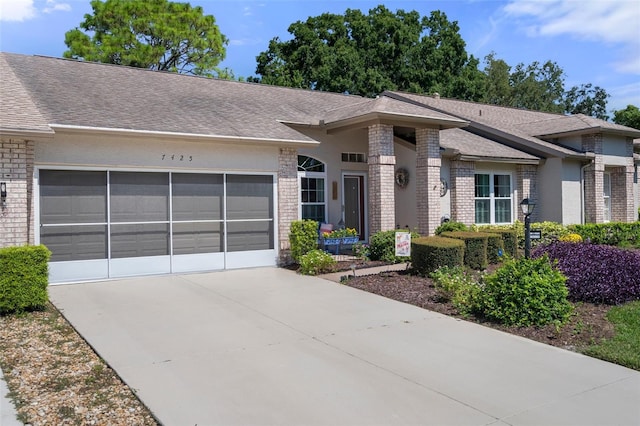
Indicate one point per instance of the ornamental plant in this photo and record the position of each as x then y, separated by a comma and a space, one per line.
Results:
303, 238
24, 277
315, 261
454, 284
596, 273
525, 292
571, 238
340, 233
382, 246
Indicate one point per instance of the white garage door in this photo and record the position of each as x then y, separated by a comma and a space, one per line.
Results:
102, 224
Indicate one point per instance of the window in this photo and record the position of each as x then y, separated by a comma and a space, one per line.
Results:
606, 192
354, 157
312, 179
493, 198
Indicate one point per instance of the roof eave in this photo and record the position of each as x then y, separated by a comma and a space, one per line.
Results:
480, 159
26, 133
590, 130
194, 137
395, 119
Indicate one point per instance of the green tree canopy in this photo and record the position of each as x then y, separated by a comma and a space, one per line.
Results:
367, 54
539, 87
630, 117
154, 34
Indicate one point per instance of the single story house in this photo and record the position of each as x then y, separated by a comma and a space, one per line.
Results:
124, 171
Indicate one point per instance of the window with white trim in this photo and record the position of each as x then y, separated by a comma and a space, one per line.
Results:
606, 196
312, 178
493, 198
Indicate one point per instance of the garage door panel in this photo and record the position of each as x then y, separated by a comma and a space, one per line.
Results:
139, 240
75, 242
73, 197
139, 197
197, 196
193, 238
249, 197
243, 236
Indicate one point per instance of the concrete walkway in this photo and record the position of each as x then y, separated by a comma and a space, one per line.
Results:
268, 346
8, 415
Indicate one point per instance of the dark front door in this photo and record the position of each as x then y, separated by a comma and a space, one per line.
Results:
354, 203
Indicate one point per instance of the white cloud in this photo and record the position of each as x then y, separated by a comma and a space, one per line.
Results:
53, 6
244, 41
16, 10
614, 22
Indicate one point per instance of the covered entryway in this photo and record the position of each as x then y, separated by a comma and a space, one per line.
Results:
112, 223
354, 203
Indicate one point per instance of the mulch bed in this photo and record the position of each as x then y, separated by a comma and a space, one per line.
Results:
588, 324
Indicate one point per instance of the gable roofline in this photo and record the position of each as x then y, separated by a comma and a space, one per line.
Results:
528, 144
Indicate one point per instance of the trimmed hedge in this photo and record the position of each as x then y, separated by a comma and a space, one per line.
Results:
24, 277
431, 253
495, 248
475, 252
509, 239
611, 234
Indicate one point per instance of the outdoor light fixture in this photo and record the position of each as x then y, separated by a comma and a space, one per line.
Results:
527, 207
3, 193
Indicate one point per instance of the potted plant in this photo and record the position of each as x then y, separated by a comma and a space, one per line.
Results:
340, 236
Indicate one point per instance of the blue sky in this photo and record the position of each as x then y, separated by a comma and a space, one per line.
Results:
594, 41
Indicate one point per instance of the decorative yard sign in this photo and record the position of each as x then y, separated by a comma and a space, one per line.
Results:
403, 244
535, 234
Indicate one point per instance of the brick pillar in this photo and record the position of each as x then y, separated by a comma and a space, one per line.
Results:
428, 180
593, 180
527, 184
382, 216
463, 183
16, 170
622, 201
287, 195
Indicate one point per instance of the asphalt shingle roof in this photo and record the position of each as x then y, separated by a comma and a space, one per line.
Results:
470, 144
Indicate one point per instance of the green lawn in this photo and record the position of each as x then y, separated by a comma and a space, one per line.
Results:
624, 347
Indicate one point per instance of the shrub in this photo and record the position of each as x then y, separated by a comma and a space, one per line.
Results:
24, 276
571, 238
382, 246
450, 227
315, 261
525, 292
596, 273
475, 251
431, 253
509, 239
612, 233
495, 248
303, 238
455, 285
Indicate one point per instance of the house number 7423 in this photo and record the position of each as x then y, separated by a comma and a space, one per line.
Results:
177, 157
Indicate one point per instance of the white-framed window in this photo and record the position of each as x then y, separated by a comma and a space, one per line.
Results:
493, 198
606, 196
312, 179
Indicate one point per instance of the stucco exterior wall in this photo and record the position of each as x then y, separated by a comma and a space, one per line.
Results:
571, 193
550, 193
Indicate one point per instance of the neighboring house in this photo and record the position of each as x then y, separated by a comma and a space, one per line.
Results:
123, 171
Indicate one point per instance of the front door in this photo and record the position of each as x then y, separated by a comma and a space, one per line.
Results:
354, 203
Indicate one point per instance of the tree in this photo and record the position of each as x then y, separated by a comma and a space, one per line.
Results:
367, 54
630, 117
587, 99
538, 87
154, 34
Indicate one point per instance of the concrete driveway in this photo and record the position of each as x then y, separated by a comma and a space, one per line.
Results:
267, 346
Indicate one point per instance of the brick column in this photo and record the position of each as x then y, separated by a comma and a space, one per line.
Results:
462, 185
527, 184
428, 180
593, 180
622, 201
382, 216
16, 170
287, 195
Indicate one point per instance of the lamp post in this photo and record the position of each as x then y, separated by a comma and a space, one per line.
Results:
527, 207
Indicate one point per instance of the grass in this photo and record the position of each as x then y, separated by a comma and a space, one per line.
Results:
624, 347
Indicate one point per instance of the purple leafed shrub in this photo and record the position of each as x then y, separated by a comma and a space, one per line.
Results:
596, 273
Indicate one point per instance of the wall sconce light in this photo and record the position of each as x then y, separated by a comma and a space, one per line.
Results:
3, 193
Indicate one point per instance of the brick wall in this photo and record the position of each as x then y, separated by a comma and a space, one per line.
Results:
593, 180
287, 194
462, 185
428, 180
527, 184
382, 162
16, 170
622, 199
